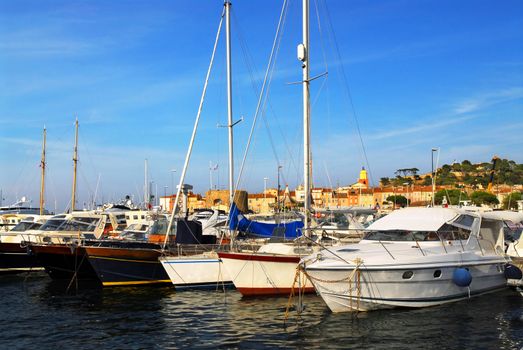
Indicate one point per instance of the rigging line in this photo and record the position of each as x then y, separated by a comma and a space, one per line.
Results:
260, 99
323, 51
267, 102
328, 176
249, 64
193, 136
86, 183
346, 85
86, 150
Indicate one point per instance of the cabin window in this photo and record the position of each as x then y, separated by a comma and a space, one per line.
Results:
407, 275
135, 217
401, 235
465, 221
437, 274
450, 233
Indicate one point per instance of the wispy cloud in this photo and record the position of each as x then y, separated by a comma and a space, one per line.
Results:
428, 125
461, 112
62, 32
487, 100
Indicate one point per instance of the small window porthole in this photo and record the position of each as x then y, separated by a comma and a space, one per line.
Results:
437, 274
407, 275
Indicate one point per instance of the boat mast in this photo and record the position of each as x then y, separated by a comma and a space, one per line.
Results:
303, 56
230, 123
42, 181
229, 100
75, 161
146, 195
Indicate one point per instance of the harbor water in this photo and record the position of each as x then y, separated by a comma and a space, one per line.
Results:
38, 313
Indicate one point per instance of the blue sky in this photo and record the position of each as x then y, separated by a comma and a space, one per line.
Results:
421, 74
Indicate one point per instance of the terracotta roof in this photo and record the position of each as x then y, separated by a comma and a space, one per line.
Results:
260, 195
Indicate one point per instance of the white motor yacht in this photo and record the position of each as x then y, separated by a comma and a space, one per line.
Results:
413, 257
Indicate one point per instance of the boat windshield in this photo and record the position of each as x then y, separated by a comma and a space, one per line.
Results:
52, 225
159, 227
23, 226
445, 232
79, 224
512, 232
136, 231
137, 227
336, 219
133, 235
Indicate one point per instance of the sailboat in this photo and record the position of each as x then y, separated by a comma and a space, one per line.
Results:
272, 269
13, 254
205, 270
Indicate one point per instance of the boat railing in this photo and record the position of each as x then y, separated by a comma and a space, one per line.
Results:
345, 235
195, 249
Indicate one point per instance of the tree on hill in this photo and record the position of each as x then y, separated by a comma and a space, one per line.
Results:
476, 176
406, 172
427, 181
466, 166
481, 197
453, 196
446, 179
456, 167
511, 201
385, 181
397, 200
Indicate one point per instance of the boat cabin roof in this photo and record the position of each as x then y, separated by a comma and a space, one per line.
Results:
416, 219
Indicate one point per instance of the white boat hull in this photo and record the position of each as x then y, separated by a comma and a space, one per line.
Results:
197, 271
256, 274
386, 288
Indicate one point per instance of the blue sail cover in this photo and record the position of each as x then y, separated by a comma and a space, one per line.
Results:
287, 230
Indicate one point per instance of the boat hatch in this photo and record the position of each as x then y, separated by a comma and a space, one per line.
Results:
348, 250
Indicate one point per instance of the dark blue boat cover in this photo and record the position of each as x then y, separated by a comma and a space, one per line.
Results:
286, 230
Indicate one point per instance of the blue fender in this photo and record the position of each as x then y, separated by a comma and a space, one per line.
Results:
461, 277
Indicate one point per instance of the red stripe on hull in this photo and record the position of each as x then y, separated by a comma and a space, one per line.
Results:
260, 257
250, 292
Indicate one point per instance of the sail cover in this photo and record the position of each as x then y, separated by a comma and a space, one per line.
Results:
287, 230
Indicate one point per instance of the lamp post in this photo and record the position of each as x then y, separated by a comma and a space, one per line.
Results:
407, 184
164, 196
172, 179
432, 173
394, 196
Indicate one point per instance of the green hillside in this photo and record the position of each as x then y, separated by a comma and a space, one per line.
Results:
466, 174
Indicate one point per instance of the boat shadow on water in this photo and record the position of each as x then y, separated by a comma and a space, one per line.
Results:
449, 326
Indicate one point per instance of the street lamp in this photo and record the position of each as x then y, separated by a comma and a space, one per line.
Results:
211, 169
394, 196
432, 173
407, 184
172, 179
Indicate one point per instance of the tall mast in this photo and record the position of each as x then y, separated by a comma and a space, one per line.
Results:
42, 181
146, 196
303, 56
229, 99
75, 161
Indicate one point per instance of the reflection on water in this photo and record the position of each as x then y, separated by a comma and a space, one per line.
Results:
38, 312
